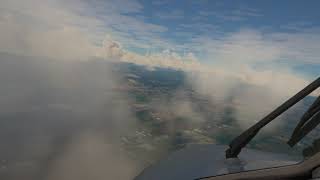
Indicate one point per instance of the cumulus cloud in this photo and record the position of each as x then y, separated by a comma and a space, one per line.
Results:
45, 28
236, 72
70, 106
90, 156
68, 115
180, 105
254, 93
243, 65
166, 59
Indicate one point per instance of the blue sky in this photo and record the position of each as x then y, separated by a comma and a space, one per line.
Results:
264, 34
220, 17
230, 16
183, 22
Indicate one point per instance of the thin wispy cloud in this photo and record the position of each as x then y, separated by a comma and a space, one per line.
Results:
239, 14
175, 14
78, 29
91, 23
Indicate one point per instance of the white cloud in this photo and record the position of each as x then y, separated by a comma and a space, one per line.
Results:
61, 29
238, 14
255, 92
45, 28
167, 58
252, 46
204, 28
89, 155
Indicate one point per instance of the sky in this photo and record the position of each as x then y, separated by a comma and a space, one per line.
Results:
283, 33
268, 35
